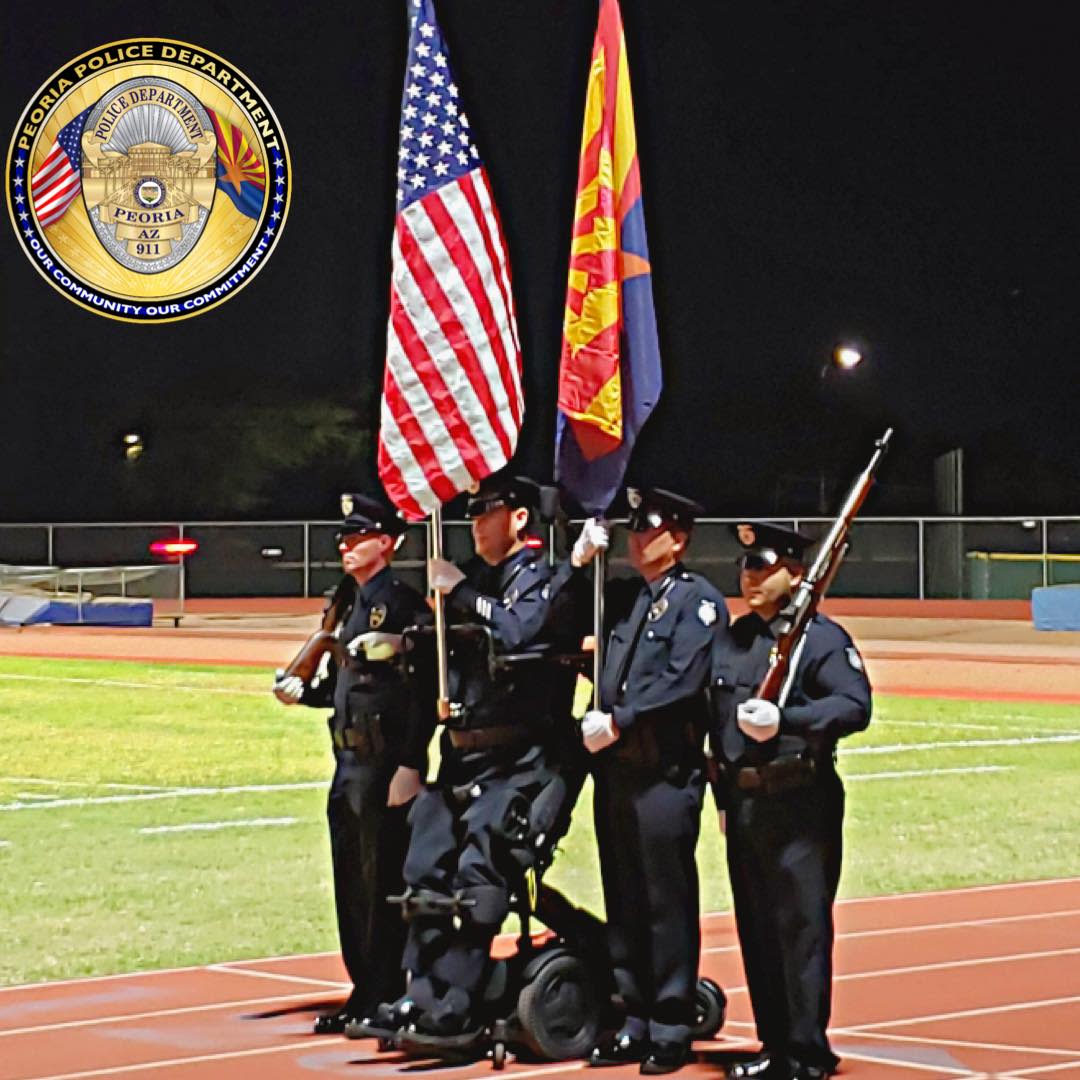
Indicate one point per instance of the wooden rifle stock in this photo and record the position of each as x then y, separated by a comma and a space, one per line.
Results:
324, 640
800, 610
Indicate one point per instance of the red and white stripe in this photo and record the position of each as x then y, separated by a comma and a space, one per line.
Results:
54, 186
452, 401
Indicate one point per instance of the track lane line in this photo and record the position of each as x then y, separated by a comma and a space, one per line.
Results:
1016, 1006
969, 1044
885, 931
182, 1010
334, 984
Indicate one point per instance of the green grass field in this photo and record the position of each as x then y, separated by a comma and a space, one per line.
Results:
134, 834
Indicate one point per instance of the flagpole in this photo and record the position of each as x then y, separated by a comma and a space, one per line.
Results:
599, 567
436, 548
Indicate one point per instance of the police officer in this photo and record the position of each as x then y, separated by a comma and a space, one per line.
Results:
784, 803
648, 736
497, 756
380, 728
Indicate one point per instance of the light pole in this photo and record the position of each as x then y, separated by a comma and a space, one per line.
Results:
844, 358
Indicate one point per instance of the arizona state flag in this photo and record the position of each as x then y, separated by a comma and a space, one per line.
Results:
609, 371
240, 174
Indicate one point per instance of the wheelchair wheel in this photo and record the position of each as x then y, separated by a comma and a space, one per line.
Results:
558, 1010
710, 1008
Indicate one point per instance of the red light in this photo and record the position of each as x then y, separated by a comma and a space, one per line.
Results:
534, 542
172, 548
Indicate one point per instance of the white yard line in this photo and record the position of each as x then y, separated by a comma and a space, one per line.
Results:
80, 783
171, 793
904, 774
962, 744
135, 685
212, 826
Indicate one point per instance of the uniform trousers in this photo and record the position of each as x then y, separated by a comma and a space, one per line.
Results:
368, 841
647, 824
784, 851
466, 829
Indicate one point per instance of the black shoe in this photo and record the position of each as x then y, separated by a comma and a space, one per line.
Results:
756, 1068
621, 1049
333, 1023
811, 1072
383, 1024
665, 1057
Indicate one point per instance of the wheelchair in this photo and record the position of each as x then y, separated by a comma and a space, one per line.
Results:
550, 999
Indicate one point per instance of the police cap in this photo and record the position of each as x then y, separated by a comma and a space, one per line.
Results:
770, 540
513, 492
652, 507
366, 514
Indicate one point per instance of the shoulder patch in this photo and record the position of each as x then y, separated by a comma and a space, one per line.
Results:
853, 658
706, 612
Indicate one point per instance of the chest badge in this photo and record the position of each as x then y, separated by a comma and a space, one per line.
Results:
706, 612
377, 616
658, 608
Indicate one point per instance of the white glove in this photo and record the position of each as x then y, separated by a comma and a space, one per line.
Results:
758, 719
593, 538
598, 730
404, 785
289, 690
443, 575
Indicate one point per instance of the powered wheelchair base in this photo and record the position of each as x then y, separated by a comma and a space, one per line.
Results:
549, 1000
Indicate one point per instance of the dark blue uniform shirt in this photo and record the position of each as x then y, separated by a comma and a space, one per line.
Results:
830, 696
658, 654
383, 605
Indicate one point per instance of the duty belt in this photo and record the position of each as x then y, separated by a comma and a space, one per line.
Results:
487, 738
365, 739
783, 774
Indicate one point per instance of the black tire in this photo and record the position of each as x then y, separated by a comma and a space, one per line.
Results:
558, 1010
498, 1056
710, 1009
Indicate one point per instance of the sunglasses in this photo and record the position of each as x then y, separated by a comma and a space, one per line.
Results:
351, 539
766, 560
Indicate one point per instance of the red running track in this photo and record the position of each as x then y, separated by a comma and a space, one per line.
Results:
979, 982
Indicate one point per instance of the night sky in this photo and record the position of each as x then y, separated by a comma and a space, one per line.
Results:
904, 175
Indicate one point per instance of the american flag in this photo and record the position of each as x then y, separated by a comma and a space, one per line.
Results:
452, 401
56, 185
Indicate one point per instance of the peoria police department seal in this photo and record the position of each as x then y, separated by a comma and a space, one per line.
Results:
148, 180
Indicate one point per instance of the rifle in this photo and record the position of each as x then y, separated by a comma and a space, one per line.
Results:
802, 607
324, 640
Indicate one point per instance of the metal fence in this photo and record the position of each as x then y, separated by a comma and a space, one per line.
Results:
929, 557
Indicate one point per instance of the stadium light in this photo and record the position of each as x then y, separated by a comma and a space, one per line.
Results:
133, 446
846, 357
